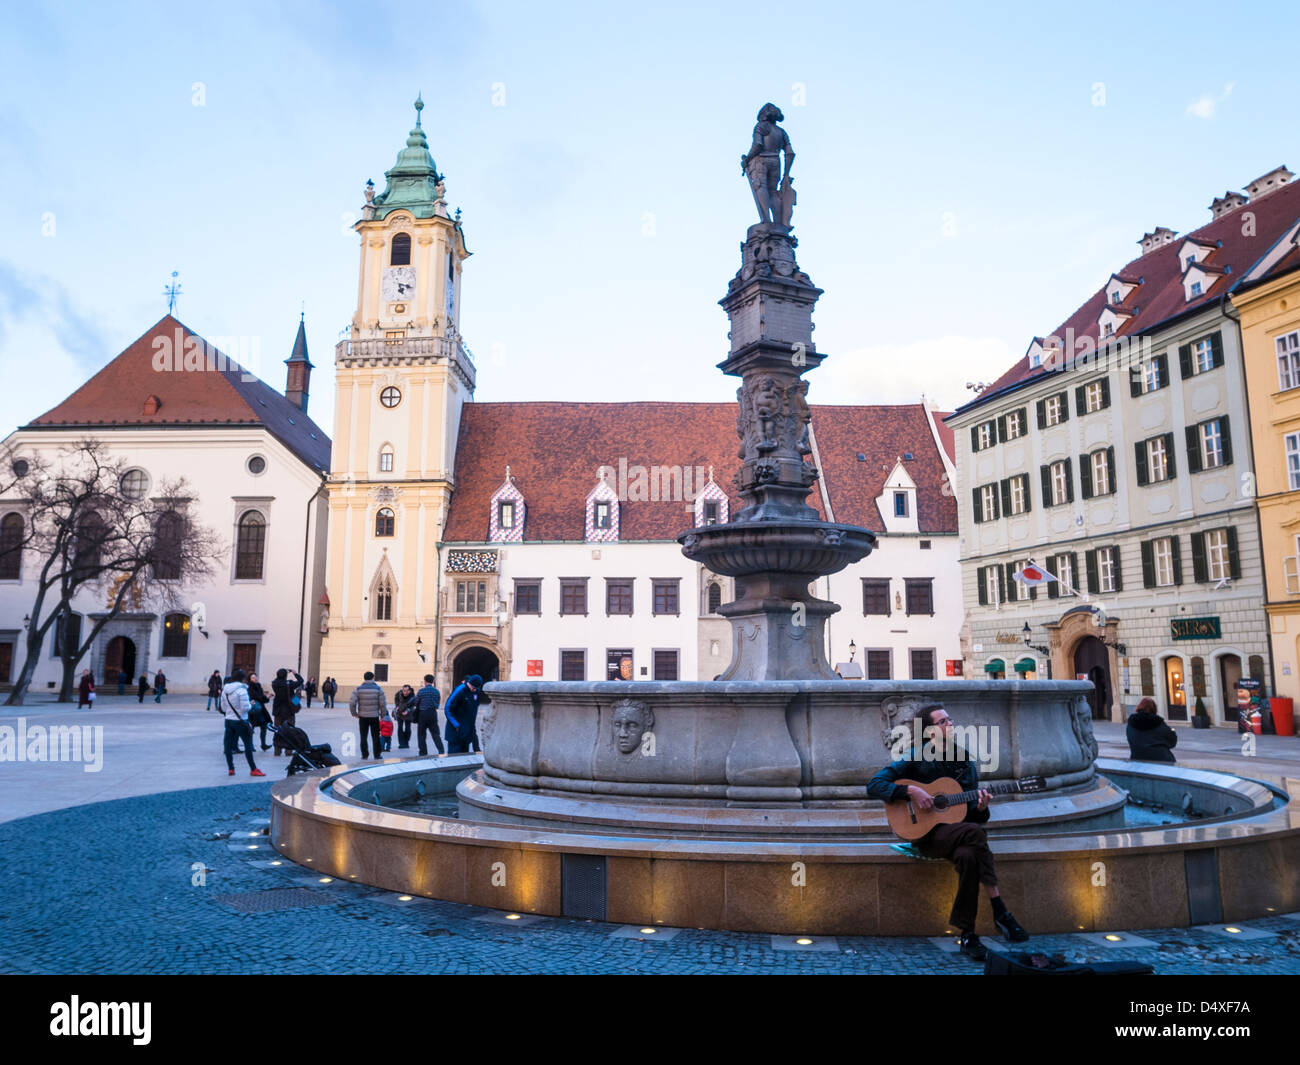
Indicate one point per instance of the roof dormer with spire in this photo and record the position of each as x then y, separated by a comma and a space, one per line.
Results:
298, 379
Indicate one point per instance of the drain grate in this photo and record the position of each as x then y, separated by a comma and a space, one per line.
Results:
275, 899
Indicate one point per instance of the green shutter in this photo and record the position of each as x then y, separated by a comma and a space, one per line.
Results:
1002, 429
1174, 542
1045, 472
975, 505
1162, 362
1105, 393
1074, 569
974, 438
1225, 434
1041, 408
1064, 397
1200, 572
1069, 480
1090, 561
1140, 453
1169, 451
1148, 564
981, 592
1110, 470
1029, 503
1193, 433
1081, 399
1085, 477
1005, 486
1135, 375
1185, 360
1053, 587
1234, 563
1216, 348
1115, 568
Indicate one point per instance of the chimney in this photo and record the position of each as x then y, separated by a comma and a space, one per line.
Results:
1157, 238
1270, 182
1228, 202
298, 381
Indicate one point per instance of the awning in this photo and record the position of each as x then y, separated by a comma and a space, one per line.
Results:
1026, 665
995, 666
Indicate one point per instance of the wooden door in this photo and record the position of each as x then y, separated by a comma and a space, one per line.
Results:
244, 656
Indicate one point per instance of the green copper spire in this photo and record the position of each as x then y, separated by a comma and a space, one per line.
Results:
413, 181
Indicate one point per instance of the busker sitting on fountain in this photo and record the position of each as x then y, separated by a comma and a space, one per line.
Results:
965, 842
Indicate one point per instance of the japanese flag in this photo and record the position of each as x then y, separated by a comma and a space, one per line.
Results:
1031, 575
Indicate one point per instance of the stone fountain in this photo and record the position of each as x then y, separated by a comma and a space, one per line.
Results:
741, 803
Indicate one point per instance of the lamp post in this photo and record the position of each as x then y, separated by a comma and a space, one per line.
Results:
853, 649
1044, 651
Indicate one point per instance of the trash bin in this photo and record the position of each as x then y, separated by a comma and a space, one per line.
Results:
1282, 711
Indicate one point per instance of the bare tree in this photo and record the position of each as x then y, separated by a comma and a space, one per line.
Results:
96, 533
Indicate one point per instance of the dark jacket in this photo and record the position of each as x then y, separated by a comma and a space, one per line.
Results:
462, 713
964, 771
427, 701
1150, 739
284, 690
257, 694
215, 685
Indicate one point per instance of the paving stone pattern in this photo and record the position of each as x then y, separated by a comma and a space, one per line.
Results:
108, 888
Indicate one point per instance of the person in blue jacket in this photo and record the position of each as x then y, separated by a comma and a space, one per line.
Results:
965, 843
461, 712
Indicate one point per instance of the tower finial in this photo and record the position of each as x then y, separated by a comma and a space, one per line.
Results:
419, 106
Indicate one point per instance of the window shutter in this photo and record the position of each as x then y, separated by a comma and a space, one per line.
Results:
1085, 476
1234, 564
1090, 561
981, 592
1029, 503
1193, 433
1002, 587
1006, 496
1148, 564
1045, 472
1177, 558
1135, 376
1002, 429
1216, 348
1185, 360
1114, 559
1105, 392
1162, 361
1140, 449
1225, 434
1074, 570
1064, 397
977, 509
1033, 593
974, 438
1200, 573
1110, 469
1069, 480
1053, 587
1169, 450
1041, 408
1081, 398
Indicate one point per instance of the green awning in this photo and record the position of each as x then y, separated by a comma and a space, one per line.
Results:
1026, 665
995, 666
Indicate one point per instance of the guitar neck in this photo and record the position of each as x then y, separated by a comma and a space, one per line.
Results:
1007, 787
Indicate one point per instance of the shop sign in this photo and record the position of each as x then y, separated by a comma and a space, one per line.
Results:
1195, 628
534, 667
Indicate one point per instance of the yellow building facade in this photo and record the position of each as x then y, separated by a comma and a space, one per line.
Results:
401, 378
1270, 331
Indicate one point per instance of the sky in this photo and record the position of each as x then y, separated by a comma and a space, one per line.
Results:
967, 176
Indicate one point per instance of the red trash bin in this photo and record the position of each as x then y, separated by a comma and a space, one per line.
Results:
1282, 710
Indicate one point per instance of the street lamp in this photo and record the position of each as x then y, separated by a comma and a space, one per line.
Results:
853, 649
1044, 651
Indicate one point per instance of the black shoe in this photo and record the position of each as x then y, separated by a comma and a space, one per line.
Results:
971, 946
1011, 928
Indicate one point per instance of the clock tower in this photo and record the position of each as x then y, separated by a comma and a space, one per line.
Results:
402, 376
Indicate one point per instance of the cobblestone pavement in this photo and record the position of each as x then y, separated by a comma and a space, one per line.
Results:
171, 884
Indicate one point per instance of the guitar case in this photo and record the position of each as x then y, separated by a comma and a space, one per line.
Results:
1025, 964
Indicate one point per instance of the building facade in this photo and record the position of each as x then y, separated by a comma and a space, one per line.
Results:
255, 463
1117, 455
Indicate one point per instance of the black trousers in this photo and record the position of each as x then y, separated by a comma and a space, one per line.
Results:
429, 724
967, 846
237, 730
403, 732
369, 727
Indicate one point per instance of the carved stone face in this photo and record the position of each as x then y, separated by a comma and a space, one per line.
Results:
631, 721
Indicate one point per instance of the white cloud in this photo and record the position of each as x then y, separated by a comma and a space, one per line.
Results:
938, 367
1205, 106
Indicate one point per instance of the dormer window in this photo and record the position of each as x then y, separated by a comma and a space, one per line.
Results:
1196, 288
900, 504
1107, 329
1187, 263
1117, 296
601, 521
710, 512
506, 514
602, 515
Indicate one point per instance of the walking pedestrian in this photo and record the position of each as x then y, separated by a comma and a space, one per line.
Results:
462, 716
142, 689
310, 690
159, 686
427, 700
234, 699
122, 678
329, 689
283, 709
368, 706
86, 690
214, 691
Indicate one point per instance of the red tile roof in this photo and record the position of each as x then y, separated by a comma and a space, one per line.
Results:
1160, 297
119, 394
555, 449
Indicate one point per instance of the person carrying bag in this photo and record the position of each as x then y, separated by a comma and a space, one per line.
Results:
235, 698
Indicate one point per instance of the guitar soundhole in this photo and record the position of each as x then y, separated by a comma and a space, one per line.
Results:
941, 802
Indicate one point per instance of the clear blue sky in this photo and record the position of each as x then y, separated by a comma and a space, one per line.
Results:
967, 175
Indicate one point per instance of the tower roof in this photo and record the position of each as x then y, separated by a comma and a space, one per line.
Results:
299, 353
413, 180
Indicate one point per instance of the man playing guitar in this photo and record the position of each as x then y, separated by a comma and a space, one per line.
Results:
964, 843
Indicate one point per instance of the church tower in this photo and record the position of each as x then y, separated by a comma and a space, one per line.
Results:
402, 376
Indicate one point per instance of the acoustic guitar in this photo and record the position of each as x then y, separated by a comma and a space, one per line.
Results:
911, 822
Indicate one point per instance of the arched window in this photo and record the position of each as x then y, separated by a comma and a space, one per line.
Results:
67, 634
386, 460
91, 534
167, 546
11, 547
250, 545
384, 522
176, 636
134, 484
384, 599
401, 250
715, 596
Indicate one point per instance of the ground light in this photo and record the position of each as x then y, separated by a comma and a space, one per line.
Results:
1229, 928
403, 898
512, 917
1115, 939
804, 942
648, 931
277, 863
327, 880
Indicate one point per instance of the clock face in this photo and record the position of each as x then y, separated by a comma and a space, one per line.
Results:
398, 283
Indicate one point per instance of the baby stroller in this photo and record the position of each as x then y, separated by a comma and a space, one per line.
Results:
306, 757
